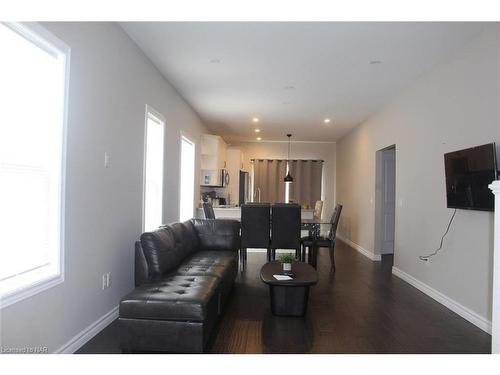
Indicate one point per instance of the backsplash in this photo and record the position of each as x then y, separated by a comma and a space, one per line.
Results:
219, 193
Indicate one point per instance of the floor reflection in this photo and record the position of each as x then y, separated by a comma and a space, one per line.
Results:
286, 334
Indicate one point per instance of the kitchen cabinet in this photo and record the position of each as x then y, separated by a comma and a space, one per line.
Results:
213, 159
213, 152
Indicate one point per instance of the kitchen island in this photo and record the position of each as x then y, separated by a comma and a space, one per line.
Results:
232, 212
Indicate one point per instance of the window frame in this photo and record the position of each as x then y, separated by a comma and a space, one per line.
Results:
48, 42
191, 140
150, 110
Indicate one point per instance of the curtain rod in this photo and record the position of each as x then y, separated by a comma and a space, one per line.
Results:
318, 161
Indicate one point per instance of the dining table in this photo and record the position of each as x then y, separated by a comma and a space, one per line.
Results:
307, 221
313, 226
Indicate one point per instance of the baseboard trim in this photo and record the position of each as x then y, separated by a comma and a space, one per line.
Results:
366, 253
448, 302
86, 334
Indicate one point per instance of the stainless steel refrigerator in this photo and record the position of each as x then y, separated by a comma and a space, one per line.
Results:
244, 188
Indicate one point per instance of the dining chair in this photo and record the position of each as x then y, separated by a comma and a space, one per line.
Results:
318, 208
313, 243
208, 210
255, 229
285, 224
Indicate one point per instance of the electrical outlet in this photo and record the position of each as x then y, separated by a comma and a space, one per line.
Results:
106, 280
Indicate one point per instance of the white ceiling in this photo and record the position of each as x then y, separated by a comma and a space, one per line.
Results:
327, 64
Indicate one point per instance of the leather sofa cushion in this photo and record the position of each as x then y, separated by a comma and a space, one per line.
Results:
160, 252
141, 271
209, 263
166, 247
202, 270
185, 238
217, 235
173, 298
219, 258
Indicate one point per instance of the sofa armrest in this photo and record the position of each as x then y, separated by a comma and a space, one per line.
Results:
218, 234
141, 270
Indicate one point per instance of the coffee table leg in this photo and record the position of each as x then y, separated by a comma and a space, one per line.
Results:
289, 300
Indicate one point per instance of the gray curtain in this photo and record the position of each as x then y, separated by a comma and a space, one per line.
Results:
268, 177
306, 186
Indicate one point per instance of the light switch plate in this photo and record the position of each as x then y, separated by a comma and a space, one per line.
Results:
107, 159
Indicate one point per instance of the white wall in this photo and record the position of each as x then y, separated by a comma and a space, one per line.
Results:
299, 150
452, 107
111, 82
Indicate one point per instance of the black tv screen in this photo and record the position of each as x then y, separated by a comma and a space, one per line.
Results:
468, 174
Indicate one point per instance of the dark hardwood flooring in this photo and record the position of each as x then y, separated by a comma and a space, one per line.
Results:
362, 308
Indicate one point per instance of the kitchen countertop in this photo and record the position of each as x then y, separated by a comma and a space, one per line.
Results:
224, 208
238, 208
234, 212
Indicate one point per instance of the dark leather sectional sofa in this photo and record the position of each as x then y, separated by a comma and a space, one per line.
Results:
184, 273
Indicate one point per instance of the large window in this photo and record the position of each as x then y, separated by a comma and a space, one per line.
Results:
187, 179
33, 85
153, 170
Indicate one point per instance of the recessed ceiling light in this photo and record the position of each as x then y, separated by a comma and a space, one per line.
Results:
214, 61
327, 120
375, 62
259, 138
255, 119
257, 130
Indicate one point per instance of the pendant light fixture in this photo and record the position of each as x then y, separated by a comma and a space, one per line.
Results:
288, 178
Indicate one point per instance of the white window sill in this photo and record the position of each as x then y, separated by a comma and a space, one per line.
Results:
29, 290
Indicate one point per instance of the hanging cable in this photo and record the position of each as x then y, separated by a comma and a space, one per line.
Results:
427, 257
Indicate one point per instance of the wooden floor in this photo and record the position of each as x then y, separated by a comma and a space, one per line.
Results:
360, 309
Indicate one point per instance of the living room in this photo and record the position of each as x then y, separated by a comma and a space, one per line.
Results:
301, 113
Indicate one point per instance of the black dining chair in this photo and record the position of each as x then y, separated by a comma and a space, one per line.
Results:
285, 228
255, 229
312, 243
208, 210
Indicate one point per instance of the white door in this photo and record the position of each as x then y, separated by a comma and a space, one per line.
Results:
388, 200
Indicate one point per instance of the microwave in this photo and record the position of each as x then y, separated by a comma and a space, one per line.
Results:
218, 178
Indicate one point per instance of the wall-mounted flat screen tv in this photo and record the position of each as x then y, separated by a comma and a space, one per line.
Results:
468, 174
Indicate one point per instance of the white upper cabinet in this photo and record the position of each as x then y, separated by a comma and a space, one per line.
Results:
213, 153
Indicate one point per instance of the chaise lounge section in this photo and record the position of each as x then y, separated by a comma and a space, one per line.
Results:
184, 273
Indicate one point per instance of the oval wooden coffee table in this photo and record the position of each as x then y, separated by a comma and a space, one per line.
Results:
289, 297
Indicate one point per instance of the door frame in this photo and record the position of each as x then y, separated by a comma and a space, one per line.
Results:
379, 198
